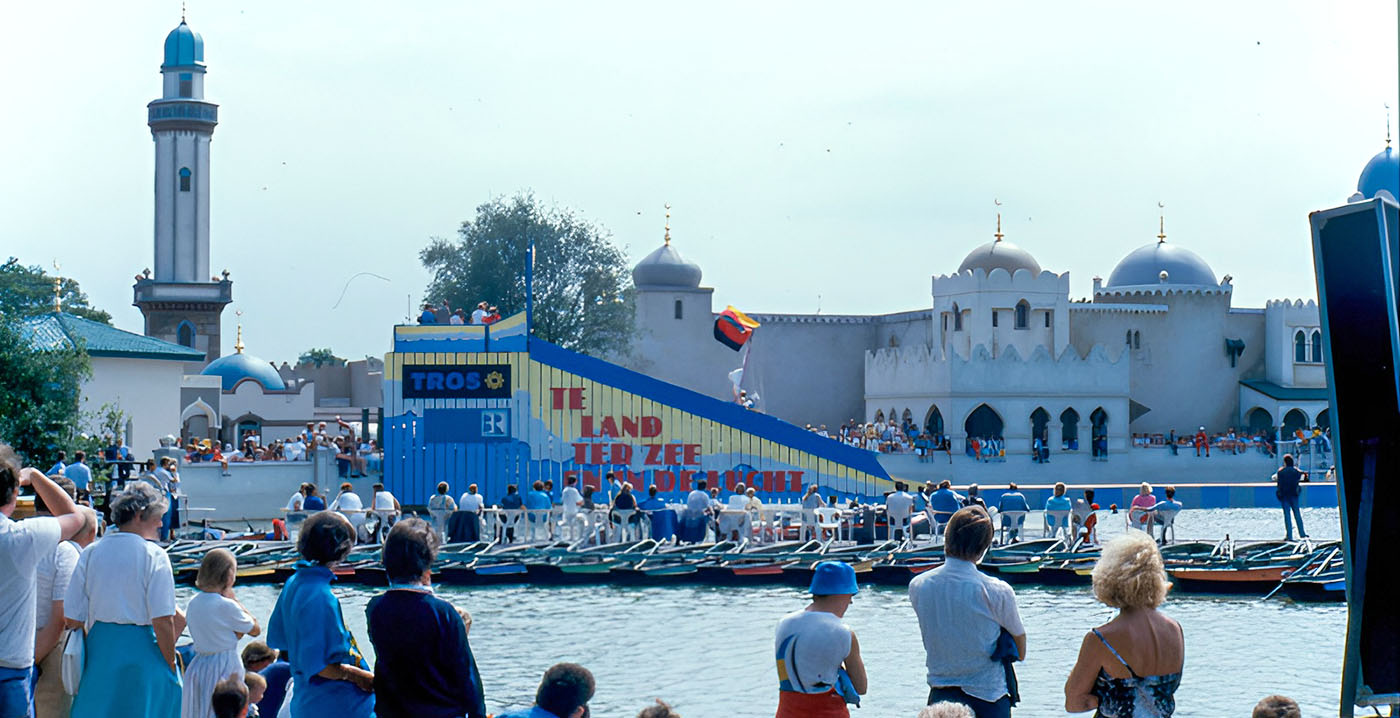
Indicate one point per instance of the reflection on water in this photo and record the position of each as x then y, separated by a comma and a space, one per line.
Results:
708, 650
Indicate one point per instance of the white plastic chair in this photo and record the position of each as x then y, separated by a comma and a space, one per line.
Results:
809, 525
1167, 516
1014, 521
387, 519
439, 520
1139, 518
828, 519
537, 524
1057, 521
903, 524
937, 520
508, 524
624, 529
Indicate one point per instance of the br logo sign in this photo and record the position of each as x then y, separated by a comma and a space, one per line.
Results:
460, 381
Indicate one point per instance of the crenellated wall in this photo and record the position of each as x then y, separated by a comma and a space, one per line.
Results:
1283, 320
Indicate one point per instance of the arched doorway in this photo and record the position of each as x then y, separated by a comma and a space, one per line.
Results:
906, 422
1258, 420
1040, 424
879, 416
933, 424
1069, 430
1294, 420
1098, 423
1324, 420
983, 423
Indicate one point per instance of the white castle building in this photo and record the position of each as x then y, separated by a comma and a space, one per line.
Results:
1002, 350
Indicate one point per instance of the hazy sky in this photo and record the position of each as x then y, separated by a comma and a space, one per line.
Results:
842, 150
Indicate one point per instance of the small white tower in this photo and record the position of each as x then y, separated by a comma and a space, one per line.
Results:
182, 303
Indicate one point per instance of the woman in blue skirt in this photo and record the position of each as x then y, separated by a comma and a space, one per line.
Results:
329, 672
123, 592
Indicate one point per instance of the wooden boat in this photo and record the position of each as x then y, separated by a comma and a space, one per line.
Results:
1253, 567
671, 563
1321, 578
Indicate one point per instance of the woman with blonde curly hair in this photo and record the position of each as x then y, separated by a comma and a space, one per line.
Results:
1131, 666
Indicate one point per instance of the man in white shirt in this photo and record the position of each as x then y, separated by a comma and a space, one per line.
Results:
294, 449
899, 507
384, 501
52, 577
23, 546
471, 501
962, 612
738, 500
298, 500
479, 314
571, 501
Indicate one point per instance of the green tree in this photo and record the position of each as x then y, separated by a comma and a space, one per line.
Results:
583, 293
27, 290
319, 357
39, 392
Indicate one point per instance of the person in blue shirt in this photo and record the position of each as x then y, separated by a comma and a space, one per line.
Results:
564, 692
512, 498
79, 472
945, 501
1058, 502
423, 665
1170, 505
537, 499
313, 502
428, 316
652, 503
329, 672
58, 466
1012, 500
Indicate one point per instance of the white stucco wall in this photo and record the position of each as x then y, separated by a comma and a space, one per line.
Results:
147, 390
1283, 320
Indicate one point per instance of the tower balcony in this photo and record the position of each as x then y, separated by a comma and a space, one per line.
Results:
182, 114
150, 293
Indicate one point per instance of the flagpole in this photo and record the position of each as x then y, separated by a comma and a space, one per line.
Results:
529, 287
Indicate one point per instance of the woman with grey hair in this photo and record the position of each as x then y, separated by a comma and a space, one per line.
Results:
123, 594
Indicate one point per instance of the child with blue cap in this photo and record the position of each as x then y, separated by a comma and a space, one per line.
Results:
819, 664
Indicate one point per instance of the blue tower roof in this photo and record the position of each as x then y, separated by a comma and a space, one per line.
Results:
183, 47
1144, 266
1381, 173
236, 367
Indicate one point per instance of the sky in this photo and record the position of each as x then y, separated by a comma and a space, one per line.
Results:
818, 156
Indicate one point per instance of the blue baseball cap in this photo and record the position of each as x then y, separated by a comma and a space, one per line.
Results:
830, 578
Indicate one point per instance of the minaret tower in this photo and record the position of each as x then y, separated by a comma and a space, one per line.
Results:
182, 302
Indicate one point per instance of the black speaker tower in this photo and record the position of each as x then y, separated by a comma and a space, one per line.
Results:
1356, 250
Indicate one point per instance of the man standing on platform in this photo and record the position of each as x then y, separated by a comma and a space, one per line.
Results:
1288, 479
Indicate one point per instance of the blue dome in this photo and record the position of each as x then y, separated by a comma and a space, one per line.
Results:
183, 47
1381, 173
1145, 265
239, 366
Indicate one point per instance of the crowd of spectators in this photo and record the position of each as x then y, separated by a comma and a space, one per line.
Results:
443, 313
63, 581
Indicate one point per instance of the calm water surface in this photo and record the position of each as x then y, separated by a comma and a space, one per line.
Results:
708, 650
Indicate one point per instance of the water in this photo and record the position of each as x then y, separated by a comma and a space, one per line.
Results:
708, 650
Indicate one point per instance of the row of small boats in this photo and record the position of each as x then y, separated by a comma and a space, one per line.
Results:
1301, 570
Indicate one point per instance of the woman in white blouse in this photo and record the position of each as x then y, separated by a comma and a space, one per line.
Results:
123, 593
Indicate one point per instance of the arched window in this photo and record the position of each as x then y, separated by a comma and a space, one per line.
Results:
957, 318
1069, 430
1128, 337
1317, 346
1137, 340
184, 179
933, 423
1023, 314
1300, 347
680, 311
186, 84
184, 336
994, 317
945, 322
983, 423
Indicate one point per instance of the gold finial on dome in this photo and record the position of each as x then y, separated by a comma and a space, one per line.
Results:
668, 224
998, 234
1161, 224
1387, 124
238, 341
